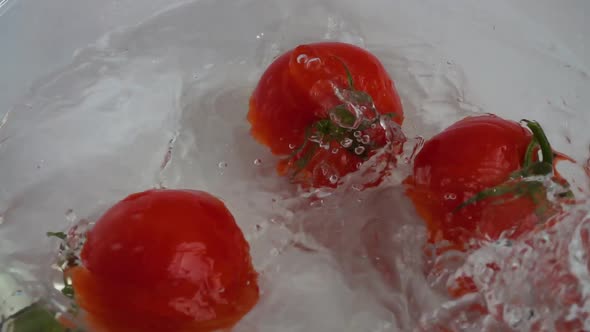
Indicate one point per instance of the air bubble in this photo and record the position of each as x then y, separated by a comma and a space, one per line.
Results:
335, 150
366, 139
450, 196
274, 252
257, 162
357, 134
374, 126
302, 58
317, 203
333, 179
292, 146
70, 215
313, 64
358, 165
346, 143
315, 138
359, 150
222, 164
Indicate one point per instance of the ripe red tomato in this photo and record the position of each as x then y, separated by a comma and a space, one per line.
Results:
165, 260
476, 154
468, 184
306, 93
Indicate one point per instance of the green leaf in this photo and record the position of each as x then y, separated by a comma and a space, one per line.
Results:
539, 168
344, 116
519, 189
36, 318
486, 193
59, 235
324, 127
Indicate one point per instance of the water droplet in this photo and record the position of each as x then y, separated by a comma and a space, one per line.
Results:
222, 164
359, 150
450, 196
302, 58
292, 146
257, 162
366, 139
70, 215
357, 134
335, 150
333, 179
346, 143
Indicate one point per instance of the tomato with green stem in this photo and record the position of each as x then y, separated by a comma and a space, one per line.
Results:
165, 260
481, 178
320, 106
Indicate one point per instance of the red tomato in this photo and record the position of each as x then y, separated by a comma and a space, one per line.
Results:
481, 154
299, 90
474, 154
165, 260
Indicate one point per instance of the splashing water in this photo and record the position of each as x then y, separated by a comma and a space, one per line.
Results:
163, 104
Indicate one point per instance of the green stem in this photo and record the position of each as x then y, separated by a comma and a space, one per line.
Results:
530, 168
542, 140
348, 73
528, 156
301, 163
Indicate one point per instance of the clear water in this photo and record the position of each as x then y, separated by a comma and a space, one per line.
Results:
163, 103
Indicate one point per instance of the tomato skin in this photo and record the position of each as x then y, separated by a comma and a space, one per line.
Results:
297, 90
165, 260
473, 154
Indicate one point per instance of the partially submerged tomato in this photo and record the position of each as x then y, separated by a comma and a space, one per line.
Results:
165, 260
319, 105
482, 179
469, 182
